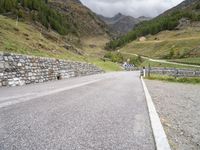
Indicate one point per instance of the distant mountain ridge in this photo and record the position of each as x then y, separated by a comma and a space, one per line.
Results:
121, 24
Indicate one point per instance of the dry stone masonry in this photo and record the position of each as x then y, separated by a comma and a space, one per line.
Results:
18, 70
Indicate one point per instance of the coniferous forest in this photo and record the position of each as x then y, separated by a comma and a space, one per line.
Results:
38, 10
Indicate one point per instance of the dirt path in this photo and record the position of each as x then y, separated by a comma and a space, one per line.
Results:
159, 41
178, 106
162, 61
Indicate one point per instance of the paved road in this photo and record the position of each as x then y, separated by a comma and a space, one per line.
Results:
100, 112
162, 60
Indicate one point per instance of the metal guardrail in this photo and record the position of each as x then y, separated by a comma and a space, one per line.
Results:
170, 72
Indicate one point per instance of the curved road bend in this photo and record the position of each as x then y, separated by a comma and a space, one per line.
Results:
163, 61
99, 112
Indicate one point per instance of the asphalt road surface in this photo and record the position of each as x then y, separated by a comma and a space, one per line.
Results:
99, 112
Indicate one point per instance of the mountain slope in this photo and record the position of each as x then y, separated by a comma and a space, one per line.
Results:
69, 18
179, 44
27, 38
121, 24
167, 21
84, 20
63, 16
185, 5
53, 28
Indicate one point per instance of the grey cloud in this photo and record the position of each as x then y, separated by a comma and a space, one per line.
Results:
135, 8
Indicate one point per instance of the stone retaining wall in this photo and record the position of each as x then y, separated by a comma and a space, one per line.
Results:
18, 70
174, 72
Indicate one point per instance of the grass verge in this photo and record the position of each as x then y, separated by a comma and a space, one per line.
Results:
192, 80
107, 66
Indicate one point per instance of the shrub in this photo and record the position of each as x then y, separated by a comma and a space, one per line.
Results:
114, 57
197, 6
136, 60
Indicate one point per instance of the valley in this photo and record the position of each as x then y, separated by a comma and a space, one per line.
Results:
71, 78
173, 36
87, 36
30, 37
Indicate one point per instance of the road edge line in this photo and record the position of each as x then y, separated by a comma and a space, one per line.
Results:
25, 99
156, 125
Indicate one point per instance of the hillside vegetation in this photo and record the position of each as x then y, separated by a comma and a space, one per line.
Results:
63, 16
37, 10
179, 44
27, 39
168, 21
85, 22
63, 29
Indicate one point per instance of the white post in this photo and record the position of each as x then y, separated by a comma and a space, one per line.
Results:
144, 72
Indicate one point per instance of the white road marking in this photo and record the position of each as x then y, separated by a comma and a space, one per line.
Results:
30, 97
2, 99
158, 131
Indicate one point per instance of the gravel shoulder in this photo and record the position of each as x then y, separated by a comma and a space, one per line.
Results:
178, 106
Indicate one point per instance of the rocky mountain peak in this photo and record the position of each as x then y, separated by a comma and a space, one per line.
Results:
121, 24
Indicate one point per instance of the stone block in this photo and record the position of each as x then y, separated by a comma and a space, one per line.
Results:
30, 74
1, 58
5, 58
21, 60
19, 64
21, 82
10, 58
6, 65
1, 75
1, 65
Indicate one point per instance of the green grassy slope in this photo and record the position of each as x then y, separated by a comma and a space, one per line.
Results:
166, 21
26, 38
168, 44
63, 29
193, 61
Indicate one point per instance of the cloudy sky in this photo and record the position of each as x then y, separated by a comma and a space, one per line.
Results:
135, 8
